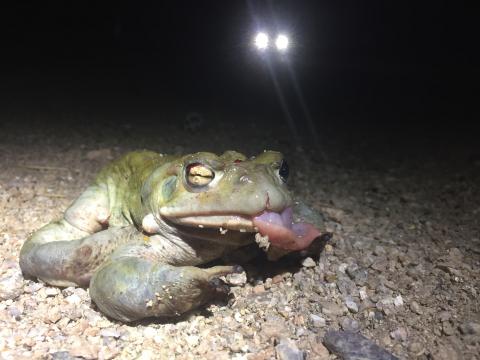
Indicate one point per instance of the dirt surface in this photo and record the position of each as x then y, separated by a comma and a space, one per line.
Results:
402, 267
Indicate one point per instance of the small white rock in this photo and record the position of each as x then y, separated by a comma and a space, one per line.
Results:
342, 267
149, 332
192, 340
158, 339
398, 301
147, 354
308, 262
318, 321
49, 291
351, 305
236, 279
110, 332
362, 292
399, 334
73, 299
238, 317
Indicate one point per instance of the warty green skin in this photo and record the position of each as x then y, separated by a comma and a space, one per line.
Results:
137, 234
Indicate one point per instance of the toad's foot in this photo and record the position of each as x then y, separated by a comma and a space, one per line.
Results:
131, 288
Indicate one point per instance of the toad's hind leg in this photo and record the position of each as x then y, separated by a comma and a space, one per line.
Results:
130, 288
71, 263
42, 254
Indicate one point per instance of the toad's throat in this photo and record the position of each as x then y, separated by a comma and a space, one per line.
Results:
282, 231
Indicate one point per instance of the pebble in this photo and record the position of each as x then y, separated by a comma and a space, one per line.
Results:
379, 250
238, 317
333, 213
149, 332
267, 283
277, 279
470, 328
385, 302
346, 286
82, 348
351, 305
357, 274
147, 354
110, 332
447, 328
51, 291
398, 301
32, 288
15, 312
53, 316
237, 279
11, 286
288, 350
342, 267
73, 299
446, 352
274, 327
443, 316
330, 277
192, 340
328, 249
332, 309
380, 265
318, 321
416, 308
416, 348
349, 324
62, 355
320, 351
362, 293
455, 255
349, 345
399, 334
158, 339
258, 289
308, 262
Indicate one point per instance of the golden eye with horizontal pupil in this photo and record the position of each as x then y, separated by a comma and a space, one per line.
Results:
198, 175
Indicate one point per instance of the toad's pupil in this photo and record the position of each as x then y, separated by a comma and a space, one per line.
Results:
284, 170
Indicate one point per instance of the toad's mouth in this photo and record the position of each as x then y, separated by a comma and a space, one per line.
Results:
282, 231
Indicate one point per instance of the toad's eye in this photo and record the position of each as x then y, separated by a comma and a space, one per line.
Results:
283, 171
198, 175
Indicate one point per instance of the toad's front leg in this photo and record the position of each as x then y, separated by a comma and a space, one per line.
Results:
130, 288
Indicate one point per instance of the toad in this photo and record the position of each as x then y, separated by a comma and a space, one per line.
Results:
138, 235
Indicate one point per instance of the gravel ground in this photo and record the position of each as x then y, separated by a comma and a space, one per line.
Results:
402, 267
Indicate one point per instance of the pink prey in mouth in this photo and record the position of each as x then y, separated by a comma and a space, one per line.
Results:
283, 232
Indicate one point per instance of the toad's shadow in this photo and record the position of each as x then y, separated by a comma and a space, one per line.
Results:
260, 267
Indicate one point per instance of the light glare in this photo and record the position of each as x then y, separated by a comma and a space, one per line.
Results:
261, 41
281, 42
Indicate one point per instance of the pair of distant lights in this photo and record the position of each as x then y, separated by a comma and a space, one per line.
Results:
262, 41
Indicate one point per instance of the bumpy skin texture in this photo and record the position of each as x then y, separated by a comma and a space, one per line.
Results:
137, 234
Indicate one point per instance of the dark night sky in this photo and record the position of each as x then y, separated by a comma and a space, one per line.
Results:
398, 62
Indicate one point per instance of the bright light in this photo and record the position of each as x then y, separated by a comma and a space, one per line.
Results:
261, 41
281, 42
